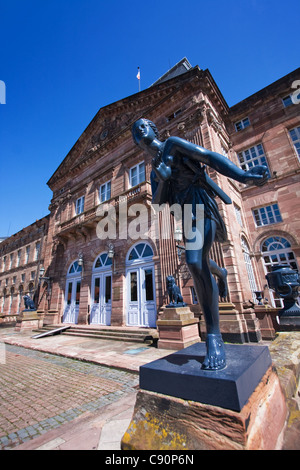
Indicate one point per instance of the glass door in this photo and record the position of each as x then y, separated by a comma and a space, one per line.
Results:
72, 301
101, 299
141, 309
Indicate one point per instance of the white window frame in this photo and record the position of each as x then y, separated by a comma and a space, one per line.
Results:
295, 137
242, 124
19, 254
249, 267
37, 250
105, 191
238, 214
27, 254
11, 260
139, 177
253, 156
79, 205
267, 215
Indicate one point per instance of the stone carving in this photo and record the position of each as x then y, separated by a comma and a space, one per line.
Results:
174, 293
29, 304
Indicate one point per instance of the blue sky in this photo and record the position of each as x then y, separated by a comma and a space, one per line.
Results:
63, 60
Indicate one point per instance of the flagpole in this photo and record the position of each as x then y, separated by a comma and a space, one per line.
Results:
139, 78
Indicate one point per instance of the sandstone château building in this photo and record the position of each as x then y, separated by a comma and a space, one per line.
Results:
105, 179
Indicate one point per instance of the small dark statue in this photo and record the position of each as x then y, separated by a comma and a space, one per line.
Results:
174, 293
29, 304
179, 176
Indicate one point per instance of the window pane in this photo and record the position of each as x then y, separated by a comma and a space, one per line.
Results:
133, 178
141, 172
78, 284
107, 289
133, 287
149, 284
97, 290
69, 293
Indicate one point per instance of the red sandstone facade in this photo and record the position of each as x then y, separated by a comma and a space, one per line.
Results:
121, 281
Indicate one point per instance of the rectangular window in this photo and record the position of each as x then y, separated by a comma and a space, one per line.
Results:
242, 124
11, 258
295, 136
14, 279
287, 101
137, 174
252, 157
4, 264
238, 214
23, 277
37, 251
267, 215
27, 253
105, 192
79, 205
32, 275
19, 258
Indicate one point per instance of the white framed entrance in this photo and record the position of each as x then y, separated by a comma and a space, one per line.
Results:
101, 291
140, 287
72, 293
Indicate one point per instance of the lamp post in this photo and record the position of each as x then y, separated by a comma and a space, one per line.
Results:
47, 280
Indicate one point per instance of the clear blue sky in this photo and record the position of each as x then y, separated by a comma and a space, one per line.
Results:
62, 60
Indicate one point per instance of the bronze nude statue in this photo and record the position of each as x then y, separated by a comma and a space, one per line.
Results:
178, 176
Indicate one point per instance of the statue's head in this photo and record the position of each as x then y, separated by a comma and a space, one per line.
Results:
170, 280
144, 132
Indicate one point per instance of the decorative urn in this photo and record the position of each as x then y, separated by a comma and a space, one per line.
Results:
286, 282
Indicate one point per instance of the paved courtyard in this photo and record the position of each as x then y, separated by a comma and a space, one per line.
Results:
40, 392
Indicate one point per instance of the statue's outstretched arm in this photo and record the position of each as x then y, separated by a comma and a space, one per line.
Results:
256, 175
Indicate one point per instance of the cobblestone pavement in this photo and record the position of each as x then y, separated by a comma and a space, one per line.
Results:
40, 392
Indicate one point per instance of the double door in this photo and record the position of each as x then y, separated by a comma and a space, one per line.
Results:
101, 299
141, 303
72, 299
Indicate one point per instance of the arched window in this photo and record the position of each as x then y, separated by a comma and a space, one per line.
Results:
249, 267
140, 252
277, 250
75, 268
103, 261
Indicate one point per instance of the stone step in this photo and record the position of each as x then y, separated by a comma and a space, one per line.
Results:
140, 335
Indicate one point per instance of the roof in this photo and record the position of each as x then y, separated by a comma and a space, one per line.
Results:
181, 67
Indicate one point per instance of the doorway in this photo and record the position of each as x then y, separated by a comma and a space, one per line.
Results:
72, 294
101, 291
140, 280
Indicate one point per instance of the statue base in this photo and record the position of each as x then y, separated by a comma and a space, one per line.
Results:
177, 328
28, 320
162, 422
180, 375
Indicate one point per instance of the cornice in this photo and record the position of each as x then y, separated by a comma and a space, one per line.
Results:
113, 122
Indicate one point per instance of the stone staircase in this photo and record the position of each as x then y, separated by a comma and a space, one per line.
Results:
136, 335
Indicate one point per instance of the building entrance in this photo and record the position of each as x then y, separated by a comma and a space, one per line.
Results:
141, 301
72, 294
101, 291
